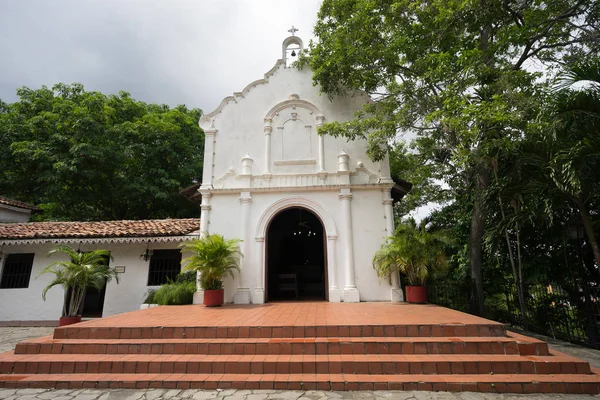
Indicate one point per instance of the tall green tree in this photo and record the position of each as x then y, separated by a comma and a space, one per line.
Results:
573, 144
83, 155
458, 74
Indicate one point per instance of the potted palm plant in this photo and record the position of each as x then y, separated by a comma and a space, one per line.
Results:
214, 257
413, 251
81, 271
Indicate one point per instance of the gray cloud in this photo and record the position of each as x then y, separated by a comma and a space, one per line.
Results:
170, 51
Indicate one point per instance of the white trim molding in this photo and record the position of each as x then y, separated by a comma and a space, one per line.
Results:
295, 201
207, 120
294, 102
84, 240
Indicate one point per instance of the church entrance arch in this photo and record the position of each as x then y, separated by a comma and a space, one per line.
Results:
296, 256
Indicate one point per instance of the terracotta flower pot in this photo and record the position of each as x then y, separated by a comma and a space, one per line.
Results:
214, 298
416, 294
69, 320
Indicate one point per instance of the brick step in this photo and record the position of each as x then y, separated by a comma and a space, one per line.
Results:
504, 383
83, 331
343, 345
11, 363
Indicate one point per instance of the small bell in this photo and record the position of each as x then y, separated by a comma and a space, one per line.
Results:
293, 53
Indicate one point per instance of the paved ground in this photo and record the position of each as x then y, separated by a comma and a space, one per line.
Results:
11, 336
590, 355
231, 394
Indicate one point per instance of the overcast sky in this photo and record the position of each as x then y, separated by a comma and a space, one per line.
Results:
191, 52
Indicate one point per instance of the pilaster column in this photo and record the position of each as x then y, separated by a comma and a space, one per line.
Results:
205, 208
351, 294
396, 294
2, 257
334, 291
320, 122
385, 174
209, 157
259, 291
268, 131
242, 295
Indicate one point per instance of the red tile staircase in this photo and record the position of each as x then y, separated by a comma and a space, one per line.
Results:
454, 356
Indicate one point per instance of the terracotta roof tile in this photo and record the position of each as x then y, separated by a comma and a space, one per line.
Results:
100, 229
18, 204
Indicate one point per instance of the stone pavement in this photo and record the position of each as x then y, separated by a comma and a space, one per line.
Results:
232, 394
585, 353
9, 337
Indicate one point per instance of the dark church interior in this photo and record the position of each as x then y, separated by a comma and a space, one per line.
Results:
296, 257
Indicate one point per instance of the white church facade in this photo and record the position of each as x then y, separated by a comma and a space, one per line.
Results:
263, 158
311, 210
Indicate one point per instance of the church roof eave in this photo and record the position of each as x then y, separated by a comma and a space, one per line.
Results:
192, 194
400, 189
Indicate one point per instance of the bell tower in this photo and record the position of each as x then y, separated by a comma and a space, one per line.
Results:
291, 48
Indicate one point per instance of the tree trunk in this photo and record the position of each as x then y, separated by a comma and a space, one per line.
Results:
520, 282
481, 176
589, 229
476, 239
72, 302
590, 265
65, 301
517, 277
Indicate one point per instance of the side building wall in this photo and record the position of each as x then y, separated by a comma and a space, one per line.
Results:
27, 304
9, 214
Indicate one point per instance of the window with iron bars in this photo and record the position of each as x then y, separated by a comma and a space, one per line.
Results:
16, 271
164, 265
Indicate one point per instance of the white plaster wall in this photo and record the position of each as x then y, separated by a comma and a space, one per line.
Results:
368, 223
240, 124
368, 234
27, 304
12, 215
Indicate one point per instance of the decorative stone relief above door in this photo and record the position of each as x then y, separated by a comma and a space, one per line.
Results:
292, 143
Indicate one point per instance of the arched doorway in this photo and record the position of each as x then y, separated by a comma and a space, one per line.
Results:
296, 266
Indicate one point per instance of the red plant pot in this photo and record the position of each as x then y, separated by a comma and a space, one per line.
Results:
69, 320
214, 298
416, 294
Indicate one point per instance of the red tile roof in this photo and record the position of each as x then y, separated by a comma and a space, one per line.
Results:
100, 229
18, 204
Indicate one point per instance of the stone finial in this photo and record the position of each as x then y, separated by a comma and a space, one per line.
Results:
343, 162
247, 162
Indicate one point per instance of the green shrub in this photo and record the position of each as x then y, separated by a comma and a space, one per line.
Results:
214, 257
186, 276
175, 293
150, 296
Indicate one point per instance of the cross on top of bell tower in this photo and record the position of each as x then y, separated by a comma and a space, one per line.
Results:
293, 30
